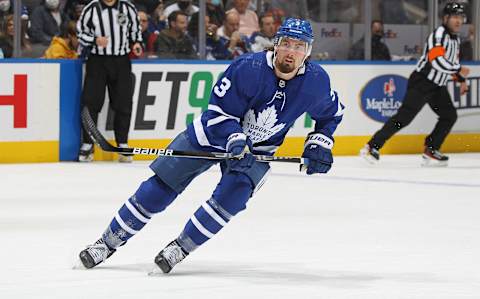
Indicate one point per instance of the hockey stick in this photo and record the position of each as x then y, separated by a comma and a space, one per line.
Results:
98, 138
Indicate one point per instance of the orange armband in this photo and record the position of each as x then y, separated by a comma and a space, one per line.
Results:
435, 52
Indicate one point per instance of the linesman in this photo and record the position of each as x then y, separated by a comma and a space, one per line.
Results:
427, 84
108, 30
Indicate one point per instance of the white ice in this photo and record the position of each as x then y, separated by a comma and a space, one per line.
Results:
395, 230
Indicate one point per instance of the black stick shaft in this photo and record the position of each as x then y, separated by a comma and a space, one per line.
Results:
98, 138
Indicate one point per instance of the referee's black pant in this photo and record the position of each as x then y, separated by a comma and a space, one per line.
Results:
420, 91
113, 72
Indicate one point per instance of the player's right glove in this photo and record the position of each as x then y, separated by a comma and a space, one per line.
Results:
318, 151
239, 145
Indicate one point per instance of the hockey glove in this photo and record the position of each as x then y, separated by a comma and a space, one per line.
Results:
239, 145
318, 151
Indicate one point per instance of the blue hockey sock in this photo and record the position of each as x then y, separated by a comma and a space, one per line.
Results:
153, 196
229, 198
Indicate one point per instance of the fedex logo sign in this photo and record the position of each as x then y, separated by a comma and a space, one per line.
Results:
332, 33
18, 100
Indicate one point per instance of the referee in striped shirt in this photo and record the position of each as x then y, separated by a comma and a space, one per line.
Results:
108, 30
427, 84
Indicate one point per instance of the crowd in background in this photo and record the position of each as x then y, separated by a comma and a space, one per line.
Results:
170, 27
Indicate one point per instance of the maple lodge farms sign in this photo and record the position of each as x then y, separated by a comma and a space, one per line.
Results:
166, 102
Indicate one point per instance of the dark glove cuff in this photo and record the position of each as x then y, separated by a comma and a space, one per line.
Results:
460, 78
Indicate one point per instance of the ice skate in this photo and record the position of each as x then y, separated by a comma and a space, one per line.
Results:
370, 154
171, 255
95, 254
128, 158
434, 158
86, 153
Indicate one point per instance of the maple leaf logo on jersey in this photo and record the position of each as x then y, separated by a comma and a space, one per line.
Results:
264, 126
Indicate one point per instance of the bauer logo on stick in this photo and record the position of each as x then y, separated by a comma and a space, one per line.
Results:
152, 151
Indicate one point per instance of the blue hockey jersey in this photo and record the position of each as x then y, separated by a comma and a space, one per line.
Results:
251, 99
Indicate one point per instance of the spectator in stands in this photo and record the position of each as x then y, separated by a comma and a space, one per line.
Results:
466, 47
31, 4
215, 12
6, 8
174, 42
263, 39
73, 8
228, 4
65, 45
215, 49
248, 18
296, 9
184, 6
230, 36
394, 11
143, 18
46, 21
158, 20
379, 48
148, 6
7, 32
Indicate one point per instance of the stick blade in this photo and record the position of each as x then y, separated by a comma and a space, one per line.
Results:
91, 128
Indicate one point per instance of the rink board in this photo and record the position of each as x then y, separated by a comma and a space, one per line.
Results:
168, 95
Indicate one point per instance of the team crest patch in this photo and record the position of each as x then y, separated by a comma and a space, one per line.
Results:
264, 126
122, 19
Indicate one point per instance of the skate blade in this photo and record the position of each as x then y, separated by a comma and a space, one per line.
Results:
367, 157
428, 162
155, 271
78, 265
85, 159
125, 159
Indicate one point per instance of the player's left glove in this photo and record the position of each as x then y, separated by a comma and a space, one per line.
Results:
318, 151
240, 146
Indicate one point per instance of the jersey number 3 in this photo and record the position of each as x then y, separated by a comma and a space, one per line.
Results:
221, 90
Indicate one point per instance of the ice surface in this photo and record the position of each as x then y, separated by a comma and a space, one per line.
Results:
395, 230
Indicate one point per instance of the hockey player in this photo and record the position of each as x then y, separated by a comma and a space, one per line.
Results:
427, 84
251, 110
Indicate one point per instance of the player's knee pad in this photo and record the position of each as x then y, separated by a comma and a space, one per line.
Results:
232, 193
154, 195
